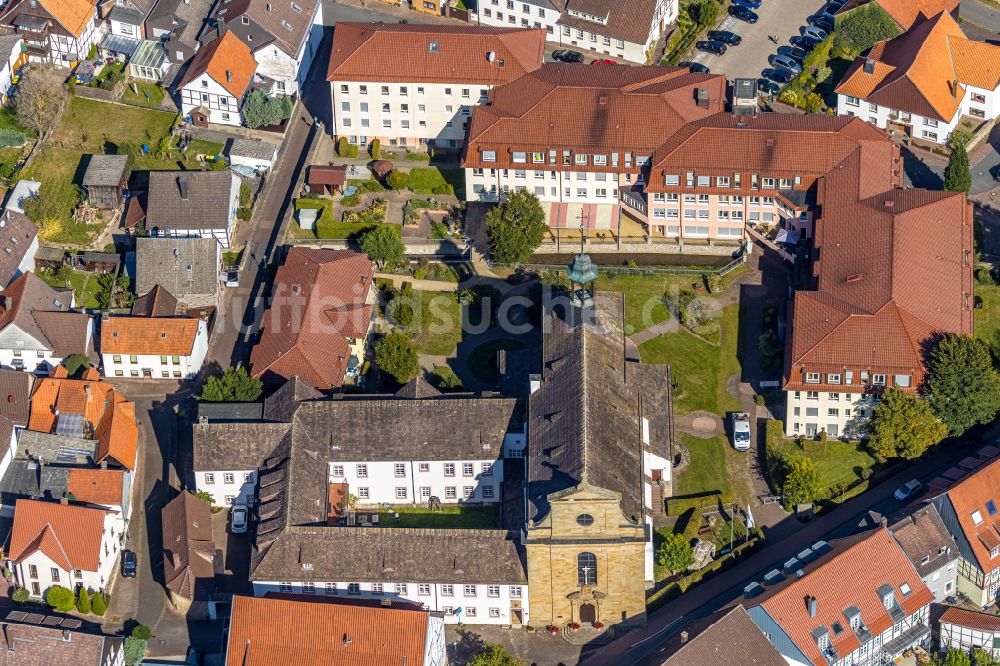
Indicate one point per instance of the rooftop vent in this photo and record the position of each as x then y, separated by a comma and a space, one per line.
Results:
869, 66
602, 100
811, 605
701, 95
229, 76
769, 142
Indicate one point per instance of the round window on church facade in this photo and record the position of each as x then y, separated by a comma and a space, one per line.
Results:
585, 519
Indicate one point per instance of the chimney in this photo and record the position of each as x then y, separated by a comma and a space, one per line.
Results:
811, 605
684, 637
182, 185
63, 500
883, 521
104, 464
869, 66
229, 76
220, 26
888, 204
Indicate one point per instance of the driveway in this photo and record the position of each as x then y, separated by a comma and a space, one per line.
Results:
777, 17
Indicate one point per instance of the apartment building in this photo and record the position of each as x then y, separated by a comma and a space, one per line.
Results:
583, 172
853, 602
924, 82
619, 30
878, 296
416, 85
969, 511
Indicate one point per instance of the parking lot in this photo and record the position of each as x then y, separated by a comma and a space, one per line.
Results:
782, 18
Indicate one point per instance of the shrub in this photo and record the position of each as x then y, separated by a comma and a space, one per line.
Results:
447, 188
822, 74
345, 149
402, 313
858, 30
375, 149
21, 595
984, 276
99, 604
135, 650
204, 496
83, 602
397, 180
142, 632
243, 213
60, 598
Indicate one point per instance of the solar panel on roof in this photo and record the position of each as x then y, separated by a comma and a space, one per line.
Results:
52, 621
34, 618
70, 425
72, 623
16, 616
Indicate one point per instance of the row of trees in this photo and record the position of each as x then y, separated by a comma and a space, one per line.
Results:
64, 599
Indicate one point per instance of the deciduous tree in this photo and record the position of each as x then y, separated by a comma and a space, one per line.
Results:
801, 483
40, 99
904, 426
383, 245
963, 387
395, 356
495, 655
235, 385
516, 228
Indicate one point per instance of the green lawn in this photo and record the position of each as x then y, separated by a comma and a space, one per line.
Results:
88, 124
450, 516
8, 120
708, 471
423, 180
645, 298
156, 94
842, 463
440, 324
85, 286
56, 169
701, 369
113, 71
986, 323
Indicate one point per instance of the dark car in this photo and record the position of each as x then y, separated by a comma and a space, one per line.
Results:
823, 22
749, 4
718, 48
743, 14
778, 75
129, 564
804, 42
695, 67
768, 87
793, 52
566, 55
726, 37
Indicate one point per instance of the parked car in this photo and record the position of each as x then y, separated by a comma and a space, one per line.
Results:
604, 61
778, 75
749, 4
726, 37
233, 278
741, 431
768, 87
908, 490
695, 67
790, 64
807, 43
793, 52
824, 23
239, 518
718, 48
743, 14
816, 33
566, 55
129, 564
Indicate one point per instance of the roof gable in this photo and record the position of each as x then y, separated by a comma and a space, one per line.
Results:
227, 61
69, 535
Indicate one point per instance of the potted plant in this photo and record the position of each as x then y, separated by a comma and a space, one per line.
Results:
552, 629
574, 626
598, 625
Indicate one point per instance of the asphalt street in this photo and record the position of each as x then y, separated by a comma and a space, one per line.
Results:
782, 18
982, 15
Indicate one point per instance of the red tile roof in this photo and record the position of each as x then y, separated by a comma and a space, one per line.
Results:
403, 53
615, 108
970, 619
924, 70
892, 269
319, 302
848, 578
69, 535
266, 631
168, 336
971, 495
227, 60
118, 434
96, 486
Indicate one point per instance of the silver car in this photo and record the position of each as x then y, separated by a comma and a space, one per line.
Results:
816, 33
788, 63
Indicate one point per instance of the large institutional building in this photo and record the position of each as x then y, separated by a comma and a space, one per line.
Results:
576, 482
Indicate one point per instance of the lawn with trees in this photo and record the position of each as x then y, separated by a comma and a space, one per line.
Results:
516, 228
234, 385
903, 426
396, 357
963, 386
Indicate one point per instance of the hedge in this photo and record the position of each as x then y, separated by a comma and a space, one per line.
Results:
859, 30
678, 505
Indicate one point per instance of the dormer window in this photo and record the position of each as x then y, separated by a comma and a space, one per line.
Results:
245, 19
888, 601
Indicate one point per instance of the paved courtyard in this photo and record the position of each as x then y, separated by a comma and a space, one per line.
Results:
783, 18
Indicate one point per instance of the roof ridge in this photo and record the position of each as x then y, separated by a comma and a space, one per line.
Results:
584, 411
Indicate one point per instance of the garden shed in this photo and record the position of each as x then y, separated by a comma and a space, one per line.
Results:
327, 178
105, 180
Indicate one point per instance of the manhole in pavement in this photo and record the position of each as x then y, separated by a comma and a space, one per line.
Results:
703, 423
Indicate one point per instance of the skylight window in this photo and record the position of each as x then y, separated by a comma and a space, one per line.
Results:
991, 508
905, 589
977, 517
433, 47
